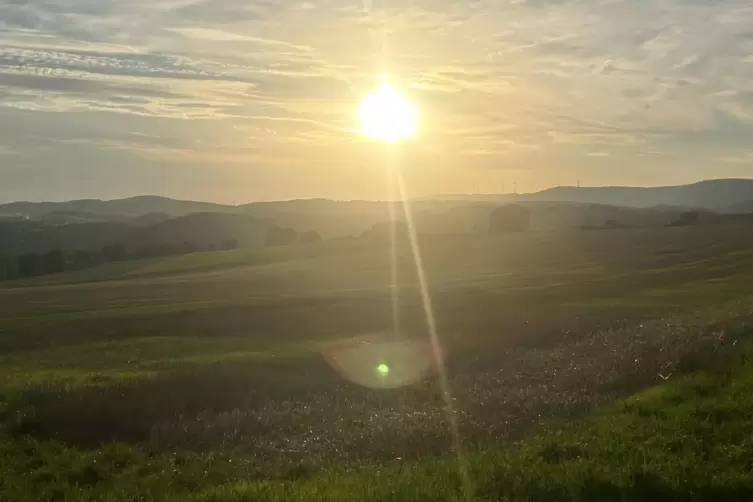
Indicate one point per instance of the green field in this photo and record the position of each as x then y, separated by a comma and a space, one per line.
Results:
235, 375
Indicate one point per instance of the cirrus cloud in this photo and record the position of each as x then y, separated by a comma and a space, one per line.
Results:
530, 85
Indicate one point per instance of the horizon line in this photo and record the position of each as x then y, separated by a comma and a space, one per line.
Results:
421, 198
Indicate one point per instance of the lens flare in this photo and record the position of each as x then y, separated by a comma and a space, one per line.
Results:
379, 361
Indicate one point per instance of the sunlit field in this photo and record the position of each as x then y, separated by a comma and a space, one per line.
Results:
225, 376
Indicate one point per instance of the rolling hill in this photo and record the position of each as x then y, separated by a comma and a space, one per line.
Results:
715, 195
123, 208
203, 229
156, 233
197, 230
148, 221
728, 195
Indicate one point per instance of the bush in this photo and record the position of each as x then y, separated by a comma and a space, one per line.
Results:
277, 236
53, 262
310, 237
29, 265
510, 218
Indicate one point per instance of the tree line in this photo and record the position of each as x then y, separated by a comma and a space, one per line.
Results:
56, 260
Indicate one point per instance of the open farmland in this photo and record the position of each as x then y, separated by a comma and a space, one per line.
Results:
213, 368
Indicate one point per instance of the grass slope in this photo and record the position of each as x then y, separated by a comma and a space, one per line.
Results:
203, 376
686, 440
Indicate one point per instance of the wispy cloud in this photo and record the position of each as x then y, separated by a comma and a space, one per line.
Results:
738, 159
537, 81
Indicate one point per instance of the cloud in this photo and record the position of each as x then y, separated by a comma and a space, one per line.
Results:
736, 159
96, 63
604, 137
208, 11
540, 80
217, 35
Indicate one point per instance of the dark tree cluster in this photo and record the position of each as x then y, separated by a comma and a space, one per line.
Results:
277, 236
510, 218
114, 252
33, 264
54, 261
607, 225
8, 268
310, 237
385, 230
51, 262
615, 225
688, 218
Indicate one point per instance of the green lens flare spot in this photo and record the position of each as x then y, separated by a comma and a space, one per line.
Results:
383, 370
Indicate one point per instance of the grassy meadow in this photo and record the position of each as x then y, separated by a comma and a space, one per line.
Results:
235, 375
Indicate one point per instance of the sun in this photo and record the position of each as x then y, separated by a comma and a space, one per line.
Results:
387, 115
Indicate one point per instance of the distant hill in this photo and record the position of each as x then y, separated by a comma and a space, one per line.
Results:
21, 236
195, 231
90, 223
156, 234
716, 195
744, 207
732, 195
147, 219
124, 208
327, 217
205, 230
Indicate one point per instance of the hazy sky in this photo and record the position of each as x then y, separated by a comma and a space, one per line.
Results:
241, 100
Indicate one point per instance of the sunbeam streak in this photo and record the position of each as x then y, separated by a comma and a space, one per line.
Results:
392, 205
436, 345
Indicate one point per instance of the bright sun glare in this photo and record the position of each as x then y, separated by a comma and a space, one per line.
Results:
387, 115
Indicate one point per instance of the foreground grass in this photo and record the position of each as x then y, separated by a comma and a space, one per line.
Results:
211, 385
686, 440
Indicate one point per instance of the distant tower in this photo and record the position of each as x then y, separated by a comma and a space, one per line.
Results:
578, 182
